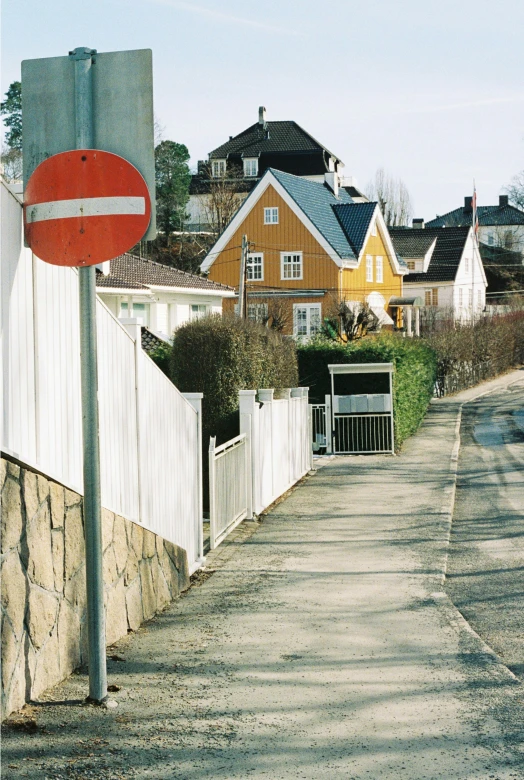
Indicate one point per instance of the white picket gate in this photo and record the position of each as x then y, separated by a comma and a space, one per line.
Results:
150, 453
229, 487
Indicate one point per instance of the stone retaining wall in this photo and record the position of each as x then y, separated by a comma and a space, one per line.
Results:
43, 581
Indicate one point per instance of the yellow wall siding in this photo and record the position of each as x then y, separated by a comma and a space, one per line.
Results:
354, 284
289, 235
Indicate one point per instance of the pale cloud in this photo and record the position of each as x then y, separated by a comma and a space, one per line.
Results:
210, 13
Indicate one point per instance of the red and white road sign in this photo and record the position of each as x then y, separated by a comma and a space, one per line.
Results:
84, 207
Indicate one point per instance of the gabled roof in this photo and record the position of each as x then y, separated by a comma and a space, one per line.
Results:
316, 199
446, 256
355, 219
487, 215
315, 204
136, 273
412, 243
270, 137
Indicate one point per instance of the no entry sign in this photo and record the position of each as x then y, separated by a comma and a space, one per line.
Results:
84, 207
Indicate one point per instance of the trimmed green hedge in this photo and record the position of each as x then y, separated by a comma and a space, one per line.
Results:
413, 378
219, 356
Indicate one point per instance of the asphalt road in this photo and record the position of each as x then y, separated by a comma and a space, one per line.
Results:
485, 577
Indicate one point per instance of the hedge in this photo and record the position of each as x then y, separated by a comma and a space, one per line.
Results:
413, 378
219, 356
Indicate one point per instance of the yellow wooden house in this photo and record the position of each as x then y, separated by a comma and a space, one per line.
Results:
310, 248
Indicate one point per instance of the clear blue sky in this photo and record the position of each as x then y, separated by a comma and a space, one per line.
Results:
432, 91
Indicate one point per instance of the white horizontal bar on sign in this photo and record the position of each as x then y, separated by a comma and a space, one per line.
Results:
85, 207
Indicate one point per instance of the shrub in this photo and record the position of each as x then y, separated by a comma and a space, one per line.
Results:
472, 352
219, 356
413, 378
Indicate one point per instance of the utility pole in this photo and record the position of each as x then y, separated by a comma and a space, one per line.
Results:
242, 287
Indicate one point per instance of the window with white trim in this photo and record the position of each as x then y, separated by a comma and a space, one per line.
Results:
379, 269
410, 264
291, 265
369, 268
251, 166
139, 310
257, 312
470, 298
306, 320
479, 298
431, 297
255, 267
271, 216
198, 310
461, 297
218, 168
374, 228
466, 265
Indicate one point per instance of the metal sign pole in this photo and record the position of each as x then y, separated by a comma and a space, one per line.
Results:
92, 506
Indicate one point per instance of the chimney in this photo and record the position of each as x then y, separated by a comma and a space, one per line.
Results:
503, 200
468, 208
331, 179
418, 223
262, 116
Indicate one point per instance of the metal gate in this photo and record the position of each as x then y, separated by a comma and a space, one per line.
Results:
362, 423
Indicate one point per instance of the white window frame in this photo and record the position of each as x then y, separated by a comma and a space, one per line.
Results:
137, 307
255, 263
309, 309
251, 167
257, 312
369, 268
461, 297
218, 168
198, 310
466, 265
379, 269
374, 228
271, 215
297, 260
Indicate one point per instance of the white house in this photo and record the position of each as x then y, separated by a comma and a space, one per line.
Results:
160, 297
444, 268
500, 226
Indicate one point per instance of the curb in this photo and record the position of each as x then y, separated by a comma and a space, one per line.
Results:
452, 614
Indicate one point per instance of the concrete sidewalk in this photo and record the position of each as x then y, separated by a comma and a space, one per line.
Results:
323, 646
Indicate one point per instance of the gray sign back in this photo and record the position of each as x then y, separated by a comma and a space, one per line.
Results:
122, 111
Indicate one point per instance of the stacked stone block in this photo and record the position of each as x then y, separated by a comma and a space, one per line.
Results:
43, 594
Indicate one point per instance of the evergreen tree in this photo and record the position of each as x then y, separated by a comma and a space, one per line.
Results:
172, 187
11, 108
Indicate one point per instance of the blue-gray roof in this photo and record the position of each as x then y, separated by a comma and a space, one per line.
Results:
316, 200
355, 219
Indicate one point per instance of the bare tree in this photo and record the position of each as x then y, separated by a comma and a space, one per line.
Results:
11, 164
392, 196
221, 198
515, 190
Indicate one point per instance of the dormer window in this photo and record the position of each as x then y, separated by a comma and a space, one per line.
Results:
251, 166
218, 169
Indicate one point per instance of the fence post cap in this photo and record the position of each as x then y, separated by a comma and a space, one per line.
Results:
193, 396
266, 395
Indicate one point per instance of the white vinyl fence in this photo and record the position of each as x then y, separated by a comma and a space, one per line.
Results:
279, 432
150, 434
273, 451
